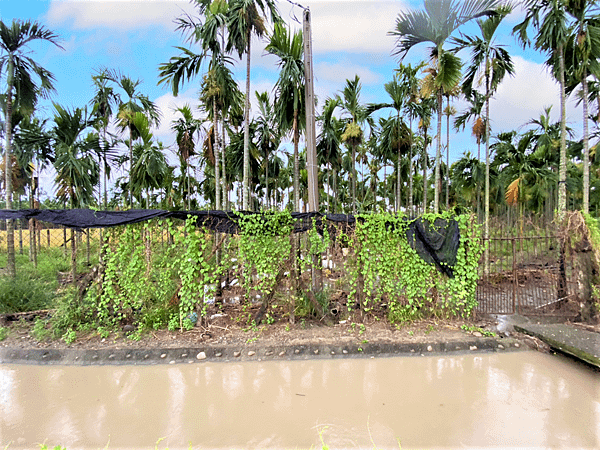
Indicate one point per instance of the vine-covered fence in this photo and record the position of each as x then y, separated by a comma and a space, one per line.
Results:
172, 272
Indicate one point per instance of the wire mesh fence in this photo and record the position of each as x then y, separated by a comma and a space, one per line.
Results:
529, 275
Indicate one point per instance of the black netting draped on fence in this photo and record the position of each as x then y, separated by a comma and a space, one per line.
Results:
436, 243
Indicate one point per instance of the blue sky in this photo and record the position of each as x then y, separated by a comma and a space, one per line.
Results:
349, 37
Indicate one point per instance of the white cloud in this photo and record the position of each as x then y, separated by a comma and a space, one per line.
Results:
354, 26
127, 15
167, 104
340, 71
524, 97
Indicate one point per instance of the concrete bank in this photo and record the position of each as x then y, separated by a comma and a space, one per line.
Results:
252, 352
582, 344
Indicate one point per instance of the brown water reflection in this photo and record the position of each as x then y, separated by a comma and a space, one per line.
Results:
522, 399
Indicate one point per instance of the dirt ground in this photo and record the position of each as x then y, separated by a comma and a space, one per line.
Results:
226, 327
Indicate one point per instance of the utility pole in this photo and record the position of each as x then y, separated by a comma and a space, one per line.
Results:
309, 96
311, 142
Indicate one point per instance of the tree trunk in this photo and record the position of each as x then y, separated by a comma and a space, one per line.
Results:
10, 225
562, 171
424, 162
586, 150
246, 172
354, 179
296, 163
217, 158
438, 154
73, 256
225, 198
130, 166
486, 232
478, 186
448, 156
410, 173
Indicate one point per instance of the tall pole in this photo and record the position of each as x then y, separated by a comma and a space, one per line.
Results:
309, 95
311, 147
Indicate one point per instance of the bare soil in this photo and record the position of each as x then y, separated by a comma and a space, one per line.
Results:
228, 325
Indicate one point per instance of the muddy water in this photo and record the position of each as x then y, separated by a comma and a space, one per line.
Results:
522, 399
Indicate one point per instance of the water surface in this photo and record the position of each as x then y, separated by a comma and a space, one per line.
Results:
523, 399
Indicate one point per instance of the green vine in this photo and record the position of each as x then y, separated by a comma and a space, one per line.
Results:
264, 245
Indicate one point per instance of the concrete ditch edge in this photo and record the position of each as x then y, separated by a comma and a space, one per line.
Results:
250, 352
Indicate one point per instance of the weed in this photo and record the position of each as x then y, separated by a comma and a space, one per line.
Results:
69, 336
39, 331
104, 332
471, 329
3, 333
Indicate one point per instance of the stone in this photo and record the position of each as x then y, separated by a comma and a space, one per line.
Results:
172, 362
251, 353
296, 351
236, 354
517, 344
429, 348
345, 352
201, 356
268, 353
477, 334
218, 355
128, 328
163, 356
281, 353
501, 347
473, 347
184, 355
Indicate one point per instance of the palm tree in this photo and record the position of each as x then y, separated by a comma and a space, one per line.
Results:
220, 92
581, 57
289, 104
466, 174
268, 136
150, 165
409, 78
245, 19
448, 112
396, 132
474, 113
328, 146
495, 62
103, 102
435, 25
76, 170
423, 110
187, 129
136, 102
18, 68
353, 133
549, 20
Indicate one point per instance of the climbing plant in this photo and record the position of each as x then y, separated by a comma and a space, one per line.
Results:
264, 246
384, 266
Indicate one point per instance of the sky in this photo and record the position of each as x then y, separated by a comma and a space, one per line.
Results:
349, 38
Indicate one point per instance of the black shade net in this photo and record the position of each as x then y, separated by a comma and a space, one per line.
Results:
437, 243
